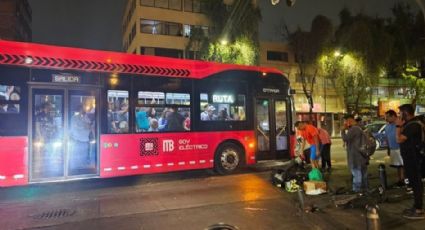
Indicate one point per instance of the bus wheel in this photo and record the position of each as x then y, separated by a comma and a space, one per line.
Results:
227, 158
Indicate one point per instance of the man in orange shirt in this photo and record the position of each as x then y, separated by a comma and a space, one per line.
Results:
310, 134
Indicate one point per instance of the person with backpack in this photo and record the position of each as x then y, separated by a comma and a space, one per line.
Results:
393, 146
409, 136
353, 136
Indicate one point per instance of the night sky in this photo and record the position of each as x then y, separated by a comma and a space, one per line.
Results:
304, 11
96, 24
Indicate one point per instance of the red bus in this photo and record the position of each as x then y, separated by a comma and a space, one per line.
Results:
69, 113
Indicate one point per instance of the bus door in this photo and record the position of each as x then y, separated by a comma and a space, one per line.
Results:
64, 133
271, 128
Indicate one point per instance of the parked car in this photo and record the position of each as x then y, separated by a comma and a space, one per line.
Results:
377, 129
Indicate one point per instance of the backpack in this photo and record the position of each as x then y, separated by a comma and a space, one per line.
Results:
421, 146
368, 144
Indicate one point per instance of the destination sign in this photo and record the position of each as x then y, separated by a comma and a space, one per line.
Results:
66, 78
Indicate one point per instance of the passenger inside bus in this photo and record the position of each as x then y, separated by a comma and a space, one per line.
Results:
162, 121
45, 128
142, 120
122, 118
82, 129
204, 114
187, 121
208, 114
175, 121
153, 125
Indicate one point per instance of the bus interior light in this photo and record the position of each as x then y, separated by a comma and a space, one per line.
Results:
113, 81
38, 144
57, 144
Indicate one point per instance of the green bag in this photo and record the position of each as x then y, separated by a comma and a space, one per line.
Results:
315, 175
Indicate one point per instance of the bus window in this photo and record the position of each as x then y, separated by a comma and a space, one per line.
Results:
118, 111
10, 97
222, 107
152, 98
162, 112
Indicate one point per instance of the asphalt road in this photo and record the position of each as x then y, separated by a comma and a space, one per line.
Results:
183, 200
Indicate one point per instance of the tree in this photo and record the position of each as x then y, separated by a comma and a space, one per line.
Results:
416, 84
237, 25
308, 47
368, 44
408, 30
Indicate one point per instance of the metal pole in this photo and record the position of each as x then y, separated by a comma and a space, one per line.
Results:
372, 218
324, 89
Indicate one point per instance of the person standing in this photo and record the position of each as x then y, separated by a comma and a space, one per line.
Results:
311, 136
175, 121
393, 146
204, 114
81, 129
408, 135
325, 149
352, 134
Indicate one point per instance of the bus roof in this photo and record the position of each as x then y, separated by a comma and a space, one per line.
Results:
57, 57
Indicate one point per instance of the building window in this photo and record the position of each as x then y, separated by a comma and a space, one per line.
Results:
160, 27
147, 51
187, 30
175, 4
163, 52
161, 4
174, 53
165, 4
277, 56
132, 34
188, 5
147, 2
196, 6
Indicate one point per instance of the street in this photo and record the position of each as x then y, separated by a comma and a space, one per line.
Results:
189, 200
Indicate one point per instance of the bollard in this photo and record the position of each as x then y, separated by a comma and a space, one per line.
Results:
382, 176
301, 199
372, 218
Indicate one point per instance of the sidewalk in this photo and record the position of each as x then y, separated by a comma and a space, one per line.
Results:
321, 208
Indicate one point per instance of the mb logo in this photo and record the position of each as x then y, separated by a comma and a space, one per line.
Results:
167, 145
149, 147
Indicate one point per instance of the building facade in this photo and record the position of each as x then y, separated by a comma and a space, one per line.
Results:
328, 105
15, 20
161, 27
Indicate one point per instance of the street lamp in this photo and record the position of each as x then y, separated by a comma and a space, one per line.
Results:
337, 53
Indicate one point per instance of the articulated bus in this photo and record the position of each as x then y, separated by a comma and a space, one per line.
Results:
70, 113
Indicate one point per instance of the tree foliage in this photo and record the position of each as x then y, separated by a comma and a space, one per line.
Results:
366, 43
408, 31
237, 24
308, 47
